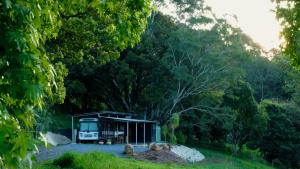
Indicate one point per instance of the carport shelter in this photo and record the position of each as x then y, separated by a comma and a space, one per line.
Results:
121, 127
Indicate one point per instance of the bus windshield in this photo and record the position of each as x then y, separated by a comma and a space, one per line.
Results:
88, 126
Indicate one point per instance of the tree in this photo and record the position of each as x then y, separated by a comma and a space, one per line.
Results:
266, 78
249, 122
164, 131
28, 78
175, 69
99, 32
288, 15
168, 129
174, 123
281, 141
192, 73
120, 84
290, 77
99, 39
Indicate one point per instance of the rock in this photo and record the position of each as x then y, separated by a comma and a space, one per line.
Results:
56, 139
128, 149
189, 154
154, 147
165, 146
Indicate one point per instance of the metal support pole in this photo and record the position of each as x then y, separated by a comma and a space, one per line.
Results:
135, 133
144, 133
73, 139
117, 130
127, 132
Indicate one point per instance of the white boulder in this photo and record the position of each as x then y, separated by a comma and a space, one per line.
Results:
56, 139
189, 154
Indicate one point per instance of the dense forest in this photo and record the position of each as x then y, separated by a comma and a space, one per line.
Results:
205, 81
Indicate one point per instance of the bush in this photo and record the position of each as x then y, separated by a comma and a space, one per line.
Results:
173, 139
181, 138
67, 161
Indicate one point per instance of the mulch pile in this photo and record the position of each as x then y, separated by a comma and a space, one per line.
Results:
161, 156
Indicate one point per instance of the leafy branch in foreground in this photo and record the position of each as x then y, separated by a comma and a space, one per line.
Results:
28, 78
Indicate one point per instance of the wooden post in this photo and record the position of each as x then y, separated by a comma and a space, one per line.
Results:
136, 133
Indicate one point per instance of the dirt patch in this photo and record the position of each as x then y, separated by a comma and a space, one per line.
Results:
162, 156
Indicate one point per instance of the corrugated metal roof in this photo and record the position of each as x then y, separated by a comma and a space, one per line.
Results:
102, 112
123, 119
129, 120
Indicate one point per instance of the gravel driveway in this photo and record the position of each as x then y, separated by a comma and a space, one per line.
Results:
116, 149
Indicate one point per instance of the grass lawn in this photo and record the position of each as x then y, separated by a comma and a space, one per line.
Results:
96, 160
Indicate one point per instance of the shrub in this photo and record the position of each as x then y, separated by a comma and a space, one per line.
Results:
68, 160
181, 138
173, 139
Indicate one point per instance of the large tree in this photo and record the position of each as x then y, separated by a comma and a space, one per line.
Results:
118, 84
288, 14
266, 78
281, 141
27, 75
249, 123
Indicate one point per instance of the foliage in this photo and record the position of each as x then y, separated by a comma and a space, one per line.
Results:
82, 56
164, 131
101, 45
180, 137
280, 143
174, 123
98, 33
249, 123
290, 77
288, 15
168, 129
50, 120
193, 13
266, 78
175, 69
31, 77
212, 78
27, 77
67, 160
120, 84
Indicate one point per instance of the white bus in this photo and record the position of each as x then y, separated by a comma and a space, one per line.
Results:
88, 129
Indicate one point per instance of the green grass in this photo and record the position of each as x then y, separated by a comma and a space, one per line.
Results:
216, 160
96, 160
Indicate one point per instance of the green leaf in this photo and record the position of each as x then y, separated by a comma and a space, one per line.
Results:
8, 4
34, 92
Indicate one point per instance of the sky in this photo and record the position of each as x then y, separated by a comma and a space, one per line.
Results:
255, 18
